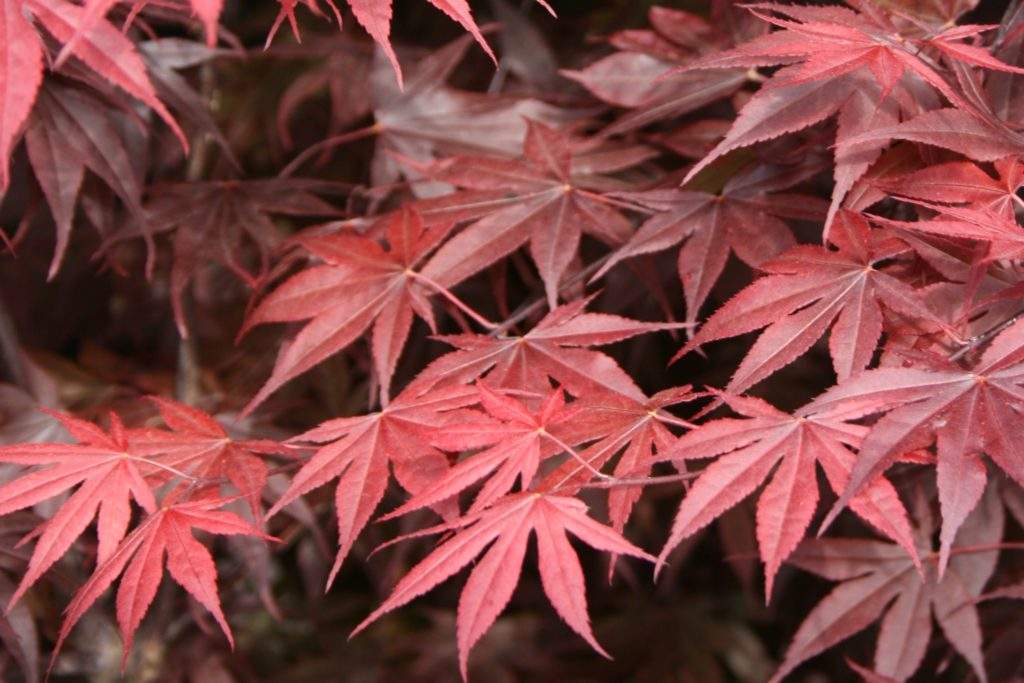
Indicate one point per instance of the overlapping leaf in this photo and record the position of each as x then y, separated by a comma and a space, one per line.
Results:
767, 440
358, 450
639, 430
805, 291
878, 582
745, 218
515, 440
199, 447
107, 475
826, 50
969, 412
554, 348
359, 285
543, 204
139, 561
506, 527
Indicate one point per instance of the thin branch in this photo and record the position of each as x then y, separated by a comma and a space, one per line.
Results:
10, 350
977, 340
528, 309
456, 301
578, 458
350, 136
640, 481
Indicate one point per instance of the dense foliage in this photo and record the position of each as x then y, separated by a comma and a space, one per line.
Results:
648, 294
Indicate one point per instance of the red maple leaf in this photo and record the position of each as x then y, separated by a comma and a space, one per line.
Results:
108, 477
139, 561
745, 218
515, 440
636, 429
961, 182
828, 51
805, 291
198, 446
969, 412
1002, 235
72, 130
111, 469
506, 527
359, 285
91, 42
748, 450
878, 581
546, 202
357, 451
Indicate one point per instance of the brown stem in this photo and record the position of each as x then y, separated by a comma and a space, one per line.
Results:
10, 350
526, 310
330, 142
977, 340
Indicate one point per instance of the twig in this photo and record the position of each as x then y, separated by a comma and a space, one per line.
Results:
526, 310
454, 300
10, 349
187, 380
640, 481
977, 340
324, 145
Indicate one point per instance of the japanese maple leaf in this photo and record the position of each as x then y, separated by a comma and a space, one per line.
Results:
554, 348
359, 285
21, 68
879, 582
515, 439
969, 412
805, 291
71, 131
139, 561
745, 218
962, 182
357, 451
545, 205
749, 449
108, 477
215, 220
639, 76
506, 527
198, 446
826, 50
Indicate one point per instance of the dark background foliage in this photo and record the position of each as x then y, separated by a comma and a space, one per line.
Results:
105, 335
